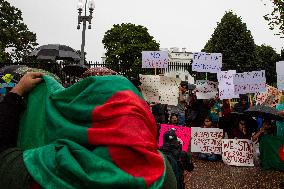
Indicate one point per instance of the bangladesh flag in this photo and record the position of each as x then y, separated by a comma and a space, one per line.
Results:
272, 152
98, 133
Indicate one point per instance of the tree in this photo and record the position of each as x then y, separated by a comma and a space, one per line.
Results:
14, 34
232, 38
267, 58
124, 45
276, 17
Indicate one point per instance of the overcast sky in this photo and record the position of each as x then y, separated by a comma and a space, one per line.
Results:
180, 23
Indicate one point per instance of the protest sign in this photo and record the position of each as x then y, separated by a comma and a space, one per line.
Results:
150, 87
183, 133
206, 140
238, 152
206, 89
169, 90
155, 59
226, 84
249, 82
207, 62
280, 75
270, 97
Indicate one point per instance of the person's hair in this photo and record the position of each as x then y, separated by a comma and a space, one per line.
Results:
208, 117
184, 83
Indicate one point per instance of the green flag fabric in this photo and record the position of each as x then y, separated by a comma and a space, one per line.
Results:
98, 133
272, 152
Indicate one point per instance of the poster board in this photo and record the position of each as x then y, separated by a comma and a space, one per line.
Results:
207, 62
249, 82
206, 140
183, 133
226, 84
168, 90
238, 152
150, 87
206, 89
155, 59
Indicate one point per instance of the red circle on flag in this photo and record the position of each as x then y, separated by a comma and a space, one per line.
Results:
281, 153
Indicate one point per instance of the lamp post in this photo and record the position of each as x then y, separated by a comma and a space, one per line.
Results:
84, 18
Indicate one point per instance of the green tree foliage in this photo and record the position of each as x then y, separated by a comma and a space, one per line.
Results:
276, 17
124, 45
232, 38
267, 58
14, 34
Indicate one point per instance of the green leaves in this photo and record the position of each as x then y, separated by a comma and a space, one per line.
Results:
14, 33
124, 44
276, 17
232, 38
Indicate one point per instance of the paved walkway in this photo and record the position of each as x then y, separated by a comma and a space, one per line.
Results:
217, 175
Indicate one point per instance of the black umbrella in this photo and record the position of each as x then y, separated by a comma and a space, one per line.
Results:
75, 69
264, 111
55, 52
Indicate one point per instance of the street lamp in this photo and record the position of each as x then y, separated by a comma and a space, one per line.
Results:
84, 19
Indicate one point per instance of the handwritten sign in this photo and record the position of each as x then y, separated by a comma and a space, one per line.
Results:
238, 152
155, 59
270, 97
169, 90
226, 84
207, 62
206, 89
150, 87
183, 133
249, 82
206, 140
280, 75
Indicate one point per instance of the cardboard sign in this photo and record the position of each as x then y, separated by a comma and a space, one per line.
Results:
249, 82
280, 75
206, 89
238, 152
206, 140
207, 62
226, 84
183, 134
150, 87
155, 59
168, 90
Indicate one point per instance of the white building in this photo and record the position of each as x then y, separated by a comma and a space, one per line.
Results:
179, 61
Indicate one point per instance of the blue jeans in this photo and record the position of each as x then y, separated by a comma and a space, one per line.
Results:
181, 119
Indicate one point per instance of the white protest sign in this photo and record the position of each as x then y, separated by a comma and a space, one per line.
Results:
206, 89
280, 75
226, 84
249, 82
238, 152
155, 59
169, 90
207, 62
150, 87
206, 140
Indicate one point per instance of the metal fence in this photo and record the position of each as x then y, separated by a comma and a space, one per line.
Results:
57, 68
